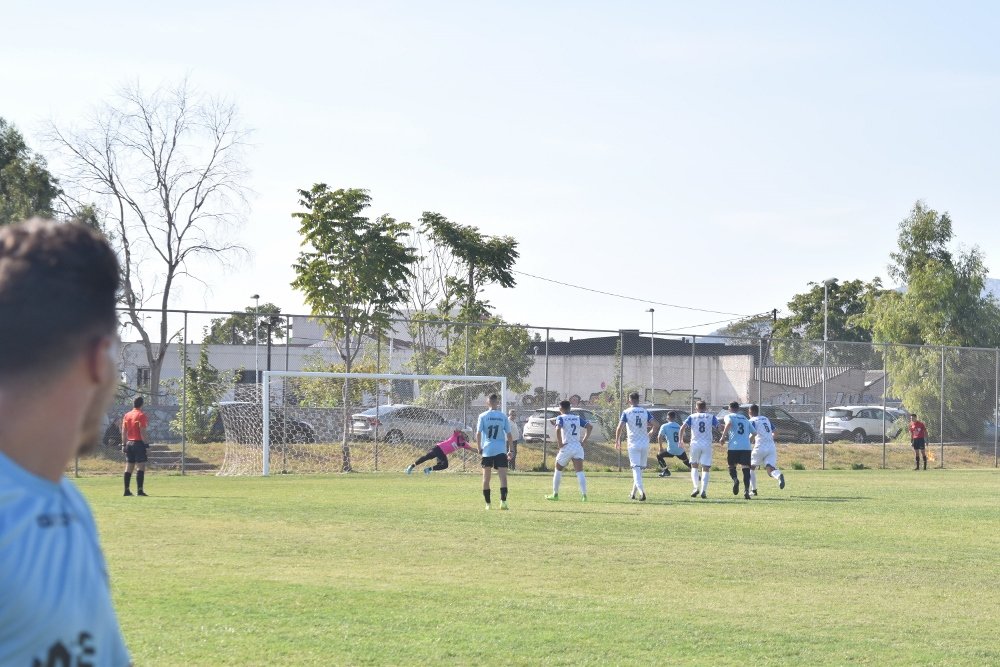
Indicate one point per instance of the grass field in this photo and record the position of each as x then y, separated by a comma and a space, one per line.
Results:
842, 567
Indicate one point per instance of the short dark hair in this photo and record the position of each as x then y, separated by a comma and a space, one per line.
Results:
494, 397
565, 405
913, 415
701, 405
634, 396
58, 283
137, 403
672, 415
754, 409
734, 406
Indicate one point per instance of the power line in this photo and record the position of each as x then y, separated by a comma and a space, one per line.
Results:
630, 298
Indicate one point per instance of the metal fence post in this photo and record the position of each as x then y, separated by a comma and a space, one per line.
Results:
693, 343
996, 404
621, 384
885, 391
284, 388
759, 369
378, 369
822, 414
545, 400
942, 408
184, 403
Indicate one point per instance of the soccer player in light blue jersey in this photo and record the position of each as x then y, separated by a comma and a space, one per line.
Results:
670, 435
58, 354
736, 434
494, 441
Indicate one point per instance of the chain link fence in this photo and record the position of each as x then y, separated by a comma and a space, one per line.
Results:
834, 404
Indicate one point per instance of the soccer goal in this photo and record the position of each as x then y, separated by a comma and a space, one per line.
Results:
299, 423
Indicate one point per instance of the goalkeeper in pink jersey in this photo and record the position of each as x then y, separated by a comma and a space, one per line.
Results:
440, 452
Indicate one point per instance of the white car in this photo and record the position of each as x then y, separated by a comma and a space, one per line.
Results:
535, 430
861, 423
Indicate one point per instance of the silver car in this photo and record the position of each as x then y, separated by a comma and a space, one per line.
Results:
403, 423
535, 430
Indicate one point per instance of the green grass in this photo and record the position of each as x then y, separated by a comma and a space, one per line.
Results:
854, 567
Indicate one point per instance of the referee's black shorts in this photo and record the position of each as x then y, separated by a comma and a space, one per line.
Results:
135, 451
918, 443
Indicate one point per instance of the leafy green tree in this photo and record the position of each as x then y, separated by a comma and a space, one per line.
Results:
494, 349
354, 271
205, 385
796, 338
329, 392
484, 260
27, 188
238, 329
748, 330
944, 305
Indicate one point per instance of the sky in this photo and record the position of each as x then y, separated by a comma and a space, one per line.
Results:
714, 155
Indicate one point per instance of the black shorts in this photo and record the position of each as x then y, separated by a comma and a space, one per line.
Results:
495, 462
739, 457
135, 451
918, 443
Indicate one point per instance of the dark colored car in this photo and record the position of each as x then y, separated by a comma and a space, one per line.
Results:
786, 427
243, 423
660, 415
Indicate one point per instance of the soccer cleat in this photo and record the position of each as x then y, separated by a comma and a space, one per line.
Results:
703, 495
642, 498
736, 487
781, 481
753, 491
127, 493
141, 493
409, 469
487, 506
427, 471
583, 498
554, 496
694, 494
747, 496
504, 505
632, 495
665, 473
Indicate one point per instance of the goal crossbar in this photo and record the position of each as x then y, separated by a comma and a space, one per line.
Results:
266, 393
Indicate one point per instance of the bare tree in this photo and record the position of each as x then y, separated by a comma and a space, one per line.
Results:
427, 297
165, 172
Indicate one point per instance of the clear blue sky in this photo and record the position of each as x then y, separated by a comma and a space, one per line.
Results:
713, 154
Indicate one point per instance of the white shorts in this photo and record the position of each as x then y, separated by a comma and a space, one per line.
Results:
566, 453
701, 455
764, 456
638, 457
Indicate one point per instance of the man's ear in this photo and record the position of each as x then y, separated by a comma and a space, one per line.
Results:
102, 359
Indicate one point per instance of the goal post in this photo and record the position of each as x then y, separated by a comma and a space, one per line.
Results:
463, 384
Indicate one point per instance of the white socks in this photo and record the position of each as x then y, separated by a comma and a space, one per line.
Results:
695, 477
776, 473
556, 478
637, 477
704, 481
753, 479
580, 477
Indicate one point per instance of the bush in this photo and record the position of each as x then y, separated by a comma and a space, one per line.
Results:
859, 466
798, 466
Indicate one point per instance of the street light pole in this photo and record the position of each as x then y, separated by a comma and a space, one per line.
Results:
652, 353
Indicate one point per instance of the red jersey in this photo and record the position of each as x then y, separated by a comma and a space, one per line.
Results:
131, 423
918, 430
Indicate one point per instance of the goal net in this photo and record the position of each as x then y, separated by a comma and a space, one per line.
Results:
298, 423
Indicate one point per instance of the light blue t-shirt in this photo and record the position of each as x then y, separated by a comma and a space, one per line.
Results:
55, 602
572, 427
671, 432
494, 426
740, 429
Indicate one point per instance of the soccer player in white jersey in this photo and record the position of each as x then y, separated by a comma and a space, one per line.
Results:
700, 423
639, 425
571, 432
736, 434
764, 452
58, 374
494, 441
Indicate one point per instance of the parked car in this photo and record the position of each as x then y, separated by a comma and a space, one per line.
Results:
534, 429
861, 423
786, 427
244, 425
399, 423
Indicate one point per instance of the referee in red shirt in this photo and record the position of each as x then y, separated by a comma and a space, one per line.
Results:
918, 439
134, 425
